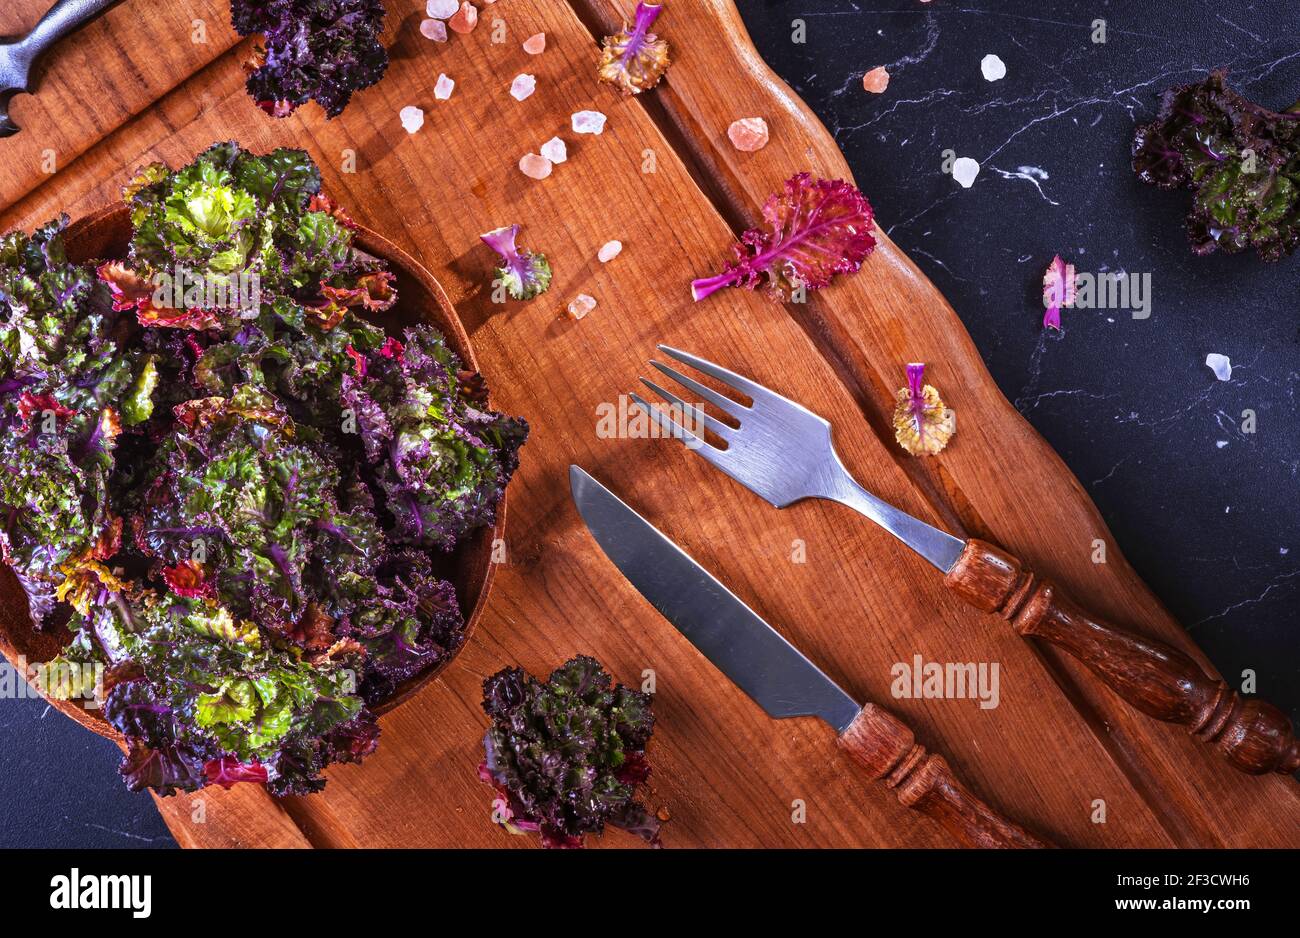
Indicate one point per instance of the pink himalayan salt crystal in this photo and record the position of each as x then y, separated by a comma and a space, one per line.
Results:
465, 19
608, 251
748, 134
588, 122
434, 29
523, 86
534, 166
876, 80
582, 304
555, 150
444, 87
535, 44
441, 9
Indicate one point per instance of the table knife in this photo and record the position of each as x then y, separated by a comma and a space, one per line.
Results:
18, 57
777, 676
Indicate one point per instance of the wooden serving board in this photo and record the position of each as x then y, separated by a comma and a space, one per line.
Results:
1059, 752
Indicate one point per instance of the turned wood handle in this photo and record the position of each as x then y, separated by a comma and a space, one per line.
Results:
1159, 680
886, 748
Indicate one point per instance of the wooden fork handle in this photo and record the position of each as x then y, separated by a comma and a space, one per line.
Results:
1159, 680
885, 747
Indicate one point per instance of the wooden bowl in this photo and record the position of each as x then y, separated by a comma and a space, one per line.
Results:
105, 235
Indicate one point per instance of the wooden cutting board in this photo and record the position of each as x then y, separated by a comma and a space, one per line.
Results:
1059, 753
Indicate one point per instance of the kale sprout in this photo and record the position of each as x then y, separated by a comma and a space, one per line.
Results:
1241, 161
315, 49
566, 756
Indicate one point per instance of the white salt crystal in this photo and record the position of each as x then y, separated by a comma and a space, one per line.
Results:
444, 87
1221, 365
522, 86
442, 9
412, 118
555, 150
964, 170
1220, 443
609, 250
993, 67
434, 29
588, 122
582, 304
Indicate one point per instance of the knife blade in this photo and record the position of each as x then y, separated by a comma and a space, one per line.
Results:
776, 675
716, 621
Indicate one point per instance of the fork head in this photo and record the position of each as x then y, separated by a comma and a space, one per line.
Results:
780, 450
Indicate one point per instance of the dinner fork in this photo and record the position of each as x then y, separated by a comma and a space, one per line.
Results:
783, 452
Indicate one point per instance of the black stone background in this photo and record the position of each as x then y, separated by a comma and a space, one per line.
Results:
1129, 404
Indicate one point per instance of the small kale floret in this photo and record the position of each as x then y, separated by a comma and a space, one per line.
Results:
524, 274
565, 756
1241, 161
315, 49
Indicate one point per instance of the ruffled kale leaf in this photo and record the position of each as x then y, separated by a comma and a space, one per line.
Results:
1241, 162
62, 380
813, 230
315, 49
440, 456
565, 756
234, 236
212, 701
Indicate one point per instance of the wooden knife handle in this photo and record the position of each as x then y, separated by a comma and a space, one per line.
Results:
1159, 680
885, 747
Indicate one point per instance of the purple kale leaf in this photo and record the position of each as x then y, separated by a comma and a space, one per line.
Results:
440, 456
315, 49
1241, 162
565, 757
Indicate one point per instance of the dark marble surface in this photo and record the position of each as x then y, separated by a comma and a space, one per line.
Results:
1207, 513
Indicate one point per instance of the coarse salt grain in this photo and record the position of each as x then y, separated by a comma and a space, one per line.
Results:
441, 9
876, 80
534, 166
465, 19
964, 170
588, 122
412, 118
444, 87
993, 67
582, 304
523, 86
434, 29
535, 44
748, 134
608, 251
1221, 365
555, 150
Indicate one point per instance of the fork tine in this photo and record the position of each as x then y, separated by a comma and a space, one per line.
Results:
722, 402
717, 426
667, 423
729, 378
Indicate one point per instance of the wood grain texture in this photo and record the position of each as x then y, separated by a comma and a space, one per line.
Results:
1057, 744
98, 79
